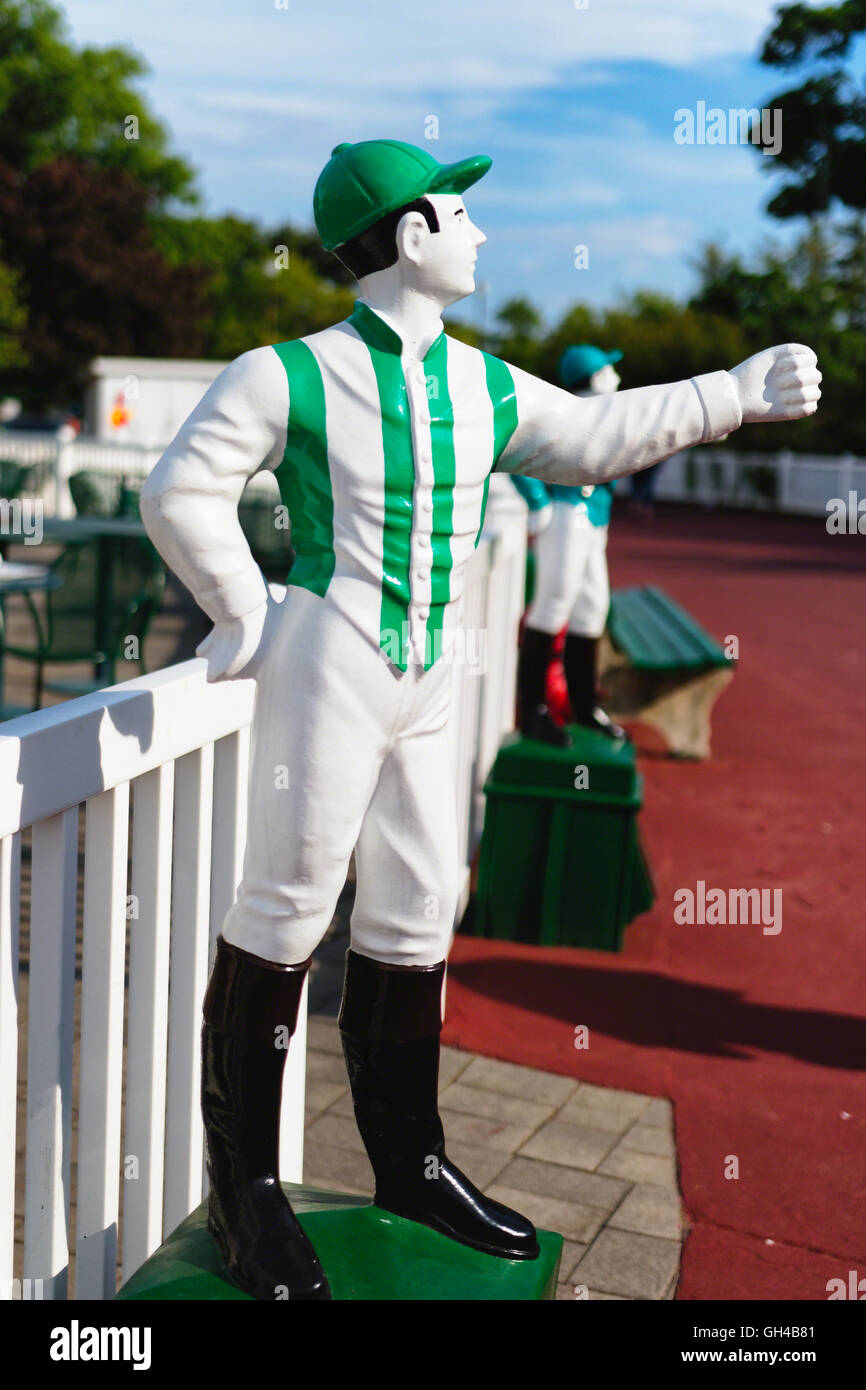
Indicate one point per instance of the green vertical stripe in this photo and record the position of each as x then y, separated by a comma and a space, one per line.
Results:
500, 389
399, 482
303, 475
483, 510
444, 478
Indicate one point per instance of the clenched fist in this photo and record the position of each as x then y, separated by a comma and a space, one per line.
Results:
780, 383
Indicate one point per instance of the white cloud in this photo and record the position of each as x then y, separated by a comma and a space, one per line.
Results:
452, 44
256, 97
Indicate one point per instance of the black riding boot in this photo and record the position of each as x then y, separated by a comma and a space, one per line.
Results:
265, 1249
535, 718
390, 1023
580, 663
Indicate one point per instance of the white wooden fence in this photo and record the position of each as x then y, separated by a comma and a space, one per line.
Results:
58, 458
712, 476
783, 482
159, 765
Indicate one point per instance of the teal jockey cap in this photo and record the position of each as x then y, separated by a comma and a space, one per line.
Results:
582, 360
362, 183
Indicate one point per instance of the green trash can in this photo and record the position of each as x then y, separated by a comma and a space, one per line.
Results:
561, 861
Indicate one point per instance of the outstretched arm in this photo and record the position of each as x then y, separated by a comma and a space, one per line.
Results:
189, 503
591, 439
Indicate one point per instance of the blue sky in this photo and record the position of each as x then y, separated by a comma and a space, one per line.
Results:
575, 106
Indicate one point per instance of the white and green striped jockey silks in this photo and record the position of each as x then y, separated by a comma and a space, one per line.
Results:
385, 474
383, 460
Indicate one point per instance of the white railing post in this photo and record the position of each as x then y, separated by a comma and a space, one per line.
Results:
10, 880
147, 1042
101, 1085
230, 791
291, 1152
507, 522
49, 1051
785, 466
846, 476
64, 467
190, 945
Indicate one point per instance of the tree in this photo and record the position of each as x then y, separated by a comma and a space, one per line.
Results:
824, 119
659, 339
517, 335
309, 247
13, 317
814, 293
56, 100
256, 289
94, 283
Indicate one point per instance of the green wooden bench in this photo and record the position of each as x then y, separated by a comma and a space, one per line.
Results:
660, 666
366, 1253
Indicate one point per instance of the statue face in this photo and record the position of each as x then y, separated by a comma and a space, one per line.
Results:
445, 265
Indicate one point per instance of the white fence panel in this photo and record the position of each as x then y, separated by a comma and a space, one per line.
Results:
51, 762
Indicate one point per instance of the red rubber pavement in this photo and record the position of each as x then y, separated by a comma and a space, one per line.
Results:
758, 1039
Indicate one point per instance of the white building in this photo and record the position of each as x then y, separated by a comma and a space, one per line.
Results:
143, 400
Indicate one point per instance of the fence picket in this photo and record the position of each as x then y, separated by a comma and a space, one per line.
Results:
10, 882
100, 1092
190, 941
147, 1031
230, 778
49, 1051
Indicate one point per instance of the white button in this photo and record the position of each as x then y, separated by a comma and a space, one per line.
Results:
422, 574
424, 542
423, 612
427, 504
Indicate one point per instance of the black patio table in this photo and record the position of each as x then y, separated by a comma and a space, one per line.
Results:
78, 530
21, 577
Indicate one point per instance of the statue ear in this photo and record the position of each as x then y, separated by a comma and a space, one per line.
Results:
411, 236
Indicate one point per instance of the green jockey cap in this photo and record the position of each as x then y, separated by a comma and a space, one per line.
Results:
362, 183
581, 361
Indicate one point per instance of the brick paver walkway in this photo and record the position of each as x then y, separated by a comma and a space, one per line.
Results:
597, 1165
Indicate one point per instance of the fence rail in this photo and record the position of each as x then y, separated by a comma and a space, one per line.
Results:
160, 766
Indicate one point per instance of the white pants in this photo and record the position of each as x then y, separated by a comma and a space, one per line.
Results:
571, 580
347, 754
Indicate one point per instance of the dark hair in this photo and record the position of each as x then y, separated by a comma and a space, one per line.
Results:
376, 248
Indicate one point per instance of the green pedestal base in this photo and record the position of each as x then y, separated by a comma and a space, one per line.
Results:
561, 862
366, 1253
